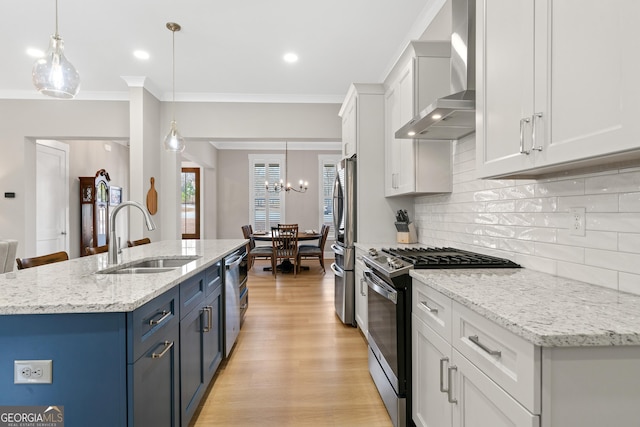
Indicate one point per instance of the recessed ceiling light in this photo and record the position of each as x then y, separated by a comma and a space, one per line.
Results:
436, 116
291, 57
141, 54
35, 53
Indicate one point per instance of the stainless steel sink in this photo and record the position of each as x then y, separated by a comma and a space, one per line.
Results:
149, 266
163, 263
143, 270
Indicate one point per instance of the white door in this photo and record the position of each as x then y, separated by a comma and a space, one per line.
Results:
52, 197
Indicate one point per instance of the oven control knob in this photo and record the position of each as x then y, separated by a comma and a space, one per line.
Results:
373, 252
394, 263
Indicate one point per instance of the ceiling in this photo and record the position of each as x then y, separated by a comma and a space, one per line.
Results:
228, 50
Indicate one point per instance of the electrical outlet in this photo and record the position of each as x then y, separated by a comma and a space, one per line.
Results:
32, 371
577, 223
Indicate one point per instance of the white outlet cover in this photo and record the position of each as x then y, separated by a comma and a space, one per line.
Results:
32, 371
577, 221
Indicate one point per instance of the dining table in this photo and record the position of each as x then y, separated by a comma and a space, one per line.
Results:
286, 266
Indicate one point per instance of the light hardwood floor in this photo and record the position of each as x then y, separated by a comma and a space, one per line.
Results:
295, 363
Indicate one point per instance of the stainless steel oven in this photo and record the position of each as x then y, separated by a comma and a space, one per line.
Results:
389, 311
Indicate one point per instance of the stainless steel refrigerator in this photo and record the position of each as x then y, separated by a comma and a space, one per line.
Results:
344, 222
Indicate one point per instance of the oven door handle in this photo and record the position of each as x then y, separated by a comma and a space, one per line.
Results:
380, 287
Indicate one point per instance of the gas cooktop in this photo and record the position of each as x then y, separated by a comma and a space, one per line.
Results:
422, 258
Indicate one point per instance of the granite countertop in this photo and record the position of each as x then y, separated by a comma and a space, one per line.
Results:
74, 287
546, 310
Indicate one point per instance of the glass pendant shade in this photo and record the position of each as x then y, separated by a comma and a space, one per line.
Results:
54, 75
174, 141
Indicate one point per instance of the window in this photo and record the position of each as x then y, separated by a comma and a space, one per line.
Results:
190, 203
327, 168
267, 207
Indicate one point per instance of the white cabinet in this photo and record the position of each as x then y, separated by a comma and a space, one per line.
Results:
470, 371
421, 75
349, 126
362, 113
361, 295
458, 388
555, 92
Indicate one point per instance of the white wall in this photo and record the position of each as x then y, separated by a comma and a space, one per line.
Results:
146, 122
233, 190
528, 221
24, 121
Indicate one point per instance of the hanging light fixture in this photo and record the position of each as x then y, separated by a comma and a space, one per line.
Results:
174, 141
280, 186
53, 74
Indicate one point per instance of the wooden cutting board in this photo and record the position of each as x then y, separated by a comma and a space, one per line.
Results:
152, 198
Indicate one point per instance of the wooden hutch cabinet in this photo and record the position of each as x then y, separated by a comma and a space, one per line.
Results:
94, 210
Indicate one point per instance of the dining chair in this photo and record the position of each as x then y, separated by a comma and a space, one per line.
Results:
96, 250
41, 260
253, 251
132, 243
284, 239
315, 251
8, 249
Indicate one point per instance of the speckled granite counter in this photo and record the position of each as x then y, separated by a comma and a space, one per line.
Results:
74, 287
546, 310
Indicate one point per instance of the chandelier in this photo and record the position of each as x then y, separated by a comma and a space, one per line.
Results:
280, 186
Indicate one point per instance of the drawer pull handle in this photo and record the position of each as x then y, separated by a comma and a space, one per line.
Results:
474, 339
442, 362
450, 369
165, 316
167, 346
429, 309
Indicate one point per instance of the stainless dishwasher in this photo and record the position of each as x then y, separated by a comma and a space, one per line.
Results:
235, 278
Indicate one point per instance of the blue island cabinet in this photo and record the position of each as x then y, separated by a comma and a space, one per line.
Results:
146, 368
153, 363
201, 340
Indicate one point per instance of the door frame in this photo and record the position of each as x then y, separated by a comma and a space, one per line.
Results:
198, 213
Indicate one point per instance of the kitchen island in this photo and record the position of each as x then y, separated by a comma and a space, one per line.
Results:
118, 342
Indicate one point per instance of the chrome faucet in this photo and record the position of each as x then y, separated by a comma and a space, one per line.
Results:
113, 239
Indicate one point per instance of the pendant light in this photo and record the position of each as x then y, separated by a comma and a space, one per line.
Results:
174, 141
54, 75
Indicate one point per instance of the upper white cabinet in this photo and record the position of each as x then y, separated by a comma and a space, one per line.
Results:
362, 115
555, 90
349, 126
421, 75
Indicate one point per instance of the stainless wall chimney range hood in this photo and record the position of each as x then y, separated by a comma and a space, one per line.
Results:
453, 116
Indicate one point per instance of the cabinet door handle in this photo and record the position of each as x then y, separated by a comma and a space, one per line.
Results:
474, 339
442, 362
429, 309
165, 315
362, 292
209, 324
167, 346
534, 146
450, 369
522, 123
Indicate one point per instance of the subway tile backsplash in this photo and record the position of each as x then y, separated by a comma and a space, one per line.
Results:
528, 221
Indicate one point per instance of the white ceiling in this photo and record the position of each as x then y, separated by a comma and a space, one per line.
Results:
228, 50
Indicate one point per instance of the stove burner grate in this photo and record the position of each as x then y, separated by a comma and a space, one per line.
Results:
422, 258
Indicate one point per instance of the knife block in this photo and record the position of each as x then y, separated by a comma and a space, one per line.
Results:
409, 236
